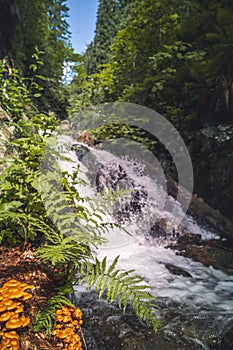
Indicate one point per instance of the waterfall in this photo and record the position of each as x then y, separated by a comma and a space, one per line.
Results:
199, 298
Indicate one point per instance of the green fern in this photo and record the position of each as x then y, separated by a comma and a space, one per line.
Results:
68, 250
121, 285
13, 223
46, 317
77, 227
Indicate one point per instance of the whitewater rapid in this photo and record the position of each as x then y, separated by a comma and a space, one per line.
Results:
205, 287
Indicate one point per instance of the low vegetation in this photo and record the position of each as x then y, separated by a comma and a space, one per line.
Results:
50, 220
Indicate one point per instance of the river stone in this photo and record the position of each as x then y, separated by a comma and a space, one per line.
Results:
175, 270
159, 229
210, 253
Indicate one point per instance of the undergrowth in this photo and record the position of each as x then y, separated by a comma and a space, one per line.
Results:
40, 204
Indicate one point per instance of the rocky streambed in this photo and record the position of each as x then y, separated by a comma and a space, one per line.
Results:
182, 327
107, 328
190, 320
191, 274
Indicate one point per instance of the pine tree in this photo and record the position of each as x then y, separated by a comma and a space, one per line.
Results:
108, 20
58, 12
58, 51
42, 24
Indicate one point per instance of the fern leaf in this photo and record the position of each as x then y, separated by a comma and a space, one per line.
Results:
122, 285
123, 297
104, 265
46, 318
113, 265
126, 300
116, 290
103, 285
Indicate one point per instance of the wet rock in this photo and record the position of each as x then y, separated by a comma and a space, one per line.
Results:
159, 229
189, 238
222, 256
210, 218
106, 327
227, 341
175, 270
210, 253
201, 254
80, 150
205, 216
120, 173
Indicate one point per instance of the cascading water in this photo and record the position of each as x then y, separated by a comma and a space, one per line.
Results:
195, 302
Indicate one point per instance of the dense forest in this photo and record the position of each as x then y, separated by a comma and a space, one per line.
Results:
42, 24
175, 57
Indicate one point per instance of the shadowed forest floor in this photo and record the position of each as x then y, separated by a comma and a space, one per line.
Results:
24, 267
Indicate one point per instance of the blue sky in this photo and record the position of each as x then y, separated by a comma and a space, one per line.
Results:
82, 22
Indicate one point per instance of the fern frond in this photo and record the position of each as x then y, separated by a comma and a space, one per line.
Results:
63, 253
46, 317
122, 285
11, 218
224, 17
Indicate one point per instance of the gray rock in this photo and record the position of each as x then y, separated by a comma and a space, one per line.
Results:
175, 270
65, 125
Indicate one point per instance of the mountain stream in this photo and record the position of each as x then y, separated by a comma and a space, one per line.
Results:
195, 300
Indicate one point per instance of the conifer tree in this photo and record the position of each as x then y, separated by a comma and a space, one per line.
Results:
42, 24
108, 19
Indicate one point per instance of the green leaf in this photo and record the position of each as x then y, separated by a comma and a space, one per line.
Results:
122, 285
41, 77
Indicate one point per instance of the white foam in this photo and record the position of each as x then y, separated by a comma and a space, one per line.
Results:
206, 287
